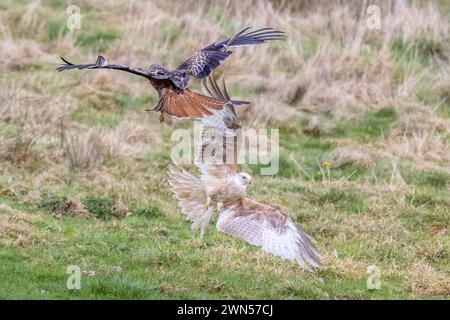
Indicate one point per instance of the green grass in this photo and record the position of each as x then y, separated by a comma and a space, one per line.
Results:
347, 201
158, 264
98, 40
424, 178
170, 33
152, 253
373, 125
102, 207
309, 48
97, 118
56, 29
152, 211
128, 102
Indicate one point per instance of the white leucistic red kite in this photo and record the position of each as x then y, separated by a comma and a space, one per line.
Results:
222, 189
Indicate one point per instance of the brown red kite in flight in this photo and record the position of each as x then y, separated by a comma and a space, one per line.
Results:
221, 188
174, 97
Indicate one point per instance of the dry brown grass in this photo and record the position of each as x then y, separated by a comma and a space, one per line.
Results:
71, 133
16, 228
353, 155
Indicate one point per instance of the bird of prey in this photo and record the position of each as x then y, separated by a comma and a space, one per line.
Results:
222, 189
178, 103
174, 97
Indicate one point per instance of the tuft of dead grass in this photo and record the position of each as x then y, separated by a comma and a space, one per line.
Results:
15, 227
353, 155
22, 54
424, 280
87, 147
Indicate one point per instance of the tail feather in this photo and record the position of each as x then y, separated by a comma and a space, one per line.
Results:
203, 221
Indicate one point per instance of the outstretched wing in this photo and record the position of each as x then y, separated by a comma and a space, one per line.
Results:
271, 229
201, 63
220, 135
190, 192
102, 63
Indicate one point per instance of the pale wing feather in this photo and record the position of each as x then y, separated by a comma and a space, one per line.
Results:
190, 192
220, 136
217, 152
270, 229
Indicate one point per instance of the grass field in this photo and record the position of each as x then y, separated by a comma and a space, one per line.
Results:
83, 166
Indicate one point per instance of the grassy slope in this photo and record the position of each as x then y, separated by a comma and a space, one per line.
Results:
116, 216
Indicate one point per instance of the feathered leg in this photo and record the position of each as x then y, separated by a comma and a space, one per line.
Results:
207, 203
219, 207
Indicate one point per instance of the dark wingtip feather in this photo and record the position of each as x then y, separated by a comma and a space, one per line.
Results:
263, 31
239, 102
240, 33
256, 37
64, 66
66, 62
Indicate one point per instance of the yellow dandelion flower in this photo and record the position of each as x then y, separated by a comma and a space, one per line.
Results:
327, 164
